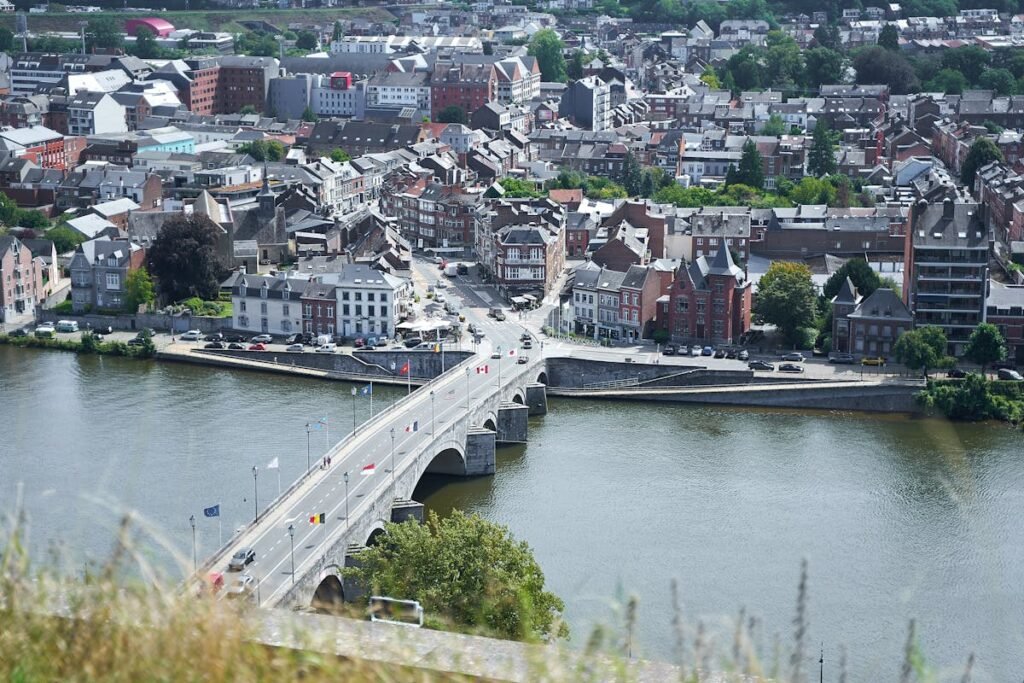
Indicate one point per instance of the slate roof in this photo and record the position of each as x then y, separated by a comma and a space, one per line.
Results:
883, 303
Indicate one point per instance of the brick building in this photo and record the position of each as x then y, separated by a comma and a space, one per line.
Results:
244, 82
466, 86
710, 301
1005, 310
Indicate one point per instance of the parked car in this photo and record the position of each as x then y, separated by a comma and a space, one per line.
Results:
359, 342
527, 344
523, 360
191, 335
1009, 375
462, 269
20, 332
235, 346
471, 328
670, 350
841, 358
791, 367
439, 297
137, 341
67, 326
707, 351
760, 365
793, 357
956, 373
730, 353
243, 587
720, 353
213, 345
262, 339
327, 348
696, 351
235, 339
873, 360
257, 347
295, 348
45, 331
300, 338
496, 355
412, 342
525, 336
102, 331
242, 558
743, 355
214, 336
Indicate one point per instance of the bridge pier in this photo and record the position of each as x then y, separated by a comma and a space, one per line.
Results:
537, 399
352, 590
479, 452
404, 510
512, 423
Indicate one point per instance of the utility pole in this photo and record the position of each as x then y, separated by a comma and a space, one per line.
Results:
291, 535
195, 564
255, 492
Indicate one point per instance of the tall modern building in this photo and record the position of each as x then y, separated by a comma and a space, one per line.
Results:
946, 268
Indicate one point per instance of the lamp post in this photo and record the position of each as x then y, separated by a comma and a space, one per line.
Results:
347, 522
307, 446
431, 412
467, 390
392, 456
354, 392
192, 521
255, 492
291, 535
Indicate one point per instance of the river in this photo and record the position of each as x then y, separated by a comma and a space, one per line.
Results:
898, 518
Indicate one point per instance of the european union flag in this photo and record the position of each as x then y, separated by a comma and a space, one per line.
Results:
367, 390
212, 512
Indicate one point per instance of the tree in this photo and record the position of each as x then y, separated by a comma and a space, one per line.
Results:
785, 298
949, 81
263, 150
1000, 80
6, 39
467, 573
784, 65
145, 45
307, 40
986, 345
889, 37
547, 47
138, 287
751, 170
863, 277
821, 159
64, 238
248, 109
103, 33
970, 60
632, 175
827, 36
823, 66
982, 152
339, 31
514, 187
921, 349
452, 114
183, 258
574, 69
811, 190
710, 77
774, 126
309, 115
877, 65
340, 155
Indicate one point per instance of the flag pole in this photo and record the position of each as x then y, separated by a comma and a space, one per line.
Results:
408, 375
371, 399
279, 481
220, 530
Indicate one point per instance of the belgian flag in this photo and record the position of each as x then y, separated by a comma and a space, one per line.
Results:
318, 519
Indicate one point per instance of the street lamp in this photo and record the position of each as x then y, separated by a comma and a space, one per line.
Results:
347, 522
307, 447
291, 535
255, 492
431, 412
467, 390
392, 456
192, 521
354, 392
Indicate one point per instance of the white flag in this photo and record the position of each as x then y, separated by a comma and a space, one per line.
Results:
272, 465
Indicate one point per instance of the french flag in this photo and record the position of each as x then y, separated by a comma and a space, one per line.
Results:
368, 470
414, 427
482, 370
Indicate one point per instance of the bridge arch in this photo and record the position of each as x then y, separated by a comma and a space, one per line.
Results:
519, 397
490, 422
542, 378
375, 533
329, 595
450, 459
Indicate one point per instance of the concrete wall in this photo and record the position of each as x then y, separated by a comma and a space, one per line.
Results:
369, 364
579, 372
158, 321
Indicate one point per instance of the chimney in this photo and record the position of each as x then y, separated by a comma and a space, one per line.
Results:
948, 208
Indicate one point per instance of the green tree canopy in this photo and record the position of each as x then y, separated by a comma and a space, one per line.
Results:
139, 290
574, 69
64, 238
823, 66
306, 40
877, 65
785, 298
263, 150
452, 114
921, 349
710, 77
750, 171
103, 33
970, 60
145, 46
774, 126
631, 177
309, 115
986, 345
340, 155
889, 37
514, 187
1000, 80
547, 47
6, 39
864, 278
821, 158
982, 152
948, 81
468, 573
183, 258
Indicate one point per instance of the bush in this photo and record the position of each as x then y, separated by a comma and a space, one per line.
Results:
661, 336
975, 398
212, 309
63, 307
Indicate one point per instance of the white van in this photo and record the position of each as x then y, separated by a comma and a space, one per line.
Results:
67, 326
329, 347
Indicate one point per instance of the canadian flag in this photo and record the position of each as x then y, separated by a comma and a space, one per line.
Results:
482, 370
368, 470
512, 352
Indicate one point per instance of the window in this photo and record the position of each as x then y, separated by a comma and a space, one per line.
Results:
263, 291
284, 309
359, 310
682, 303
113, 281
344, 296
309, 309
286, 295
263, 307
383, 297
241, 306
330, 311
383, 311
369, 296
359, 296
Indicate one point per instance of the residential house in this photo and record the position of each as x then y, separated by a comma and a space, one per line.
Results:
21, 281
99, 273
587, 103
266, 304
465, 86
90, 113
877, 322
367, 301
1005, 309
710, 301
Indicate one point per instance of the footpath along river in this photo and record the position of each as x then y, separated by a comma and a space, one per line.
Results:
897, 517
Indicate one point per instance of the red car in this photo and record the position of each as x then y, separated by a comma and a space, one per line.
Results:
359, 342
257, 347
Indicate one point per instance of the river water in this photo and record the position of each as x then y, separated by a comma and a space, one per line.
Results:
898, 518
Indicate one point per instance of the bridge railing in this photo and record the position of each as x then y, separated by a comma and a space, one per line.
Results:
388, 410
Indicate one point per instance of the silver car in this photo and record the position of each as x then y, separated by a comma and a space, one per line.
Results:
243, 587
240, 559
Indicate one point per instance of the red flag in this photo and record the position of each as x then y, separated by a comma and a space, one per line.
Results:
405, 369
368, 470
